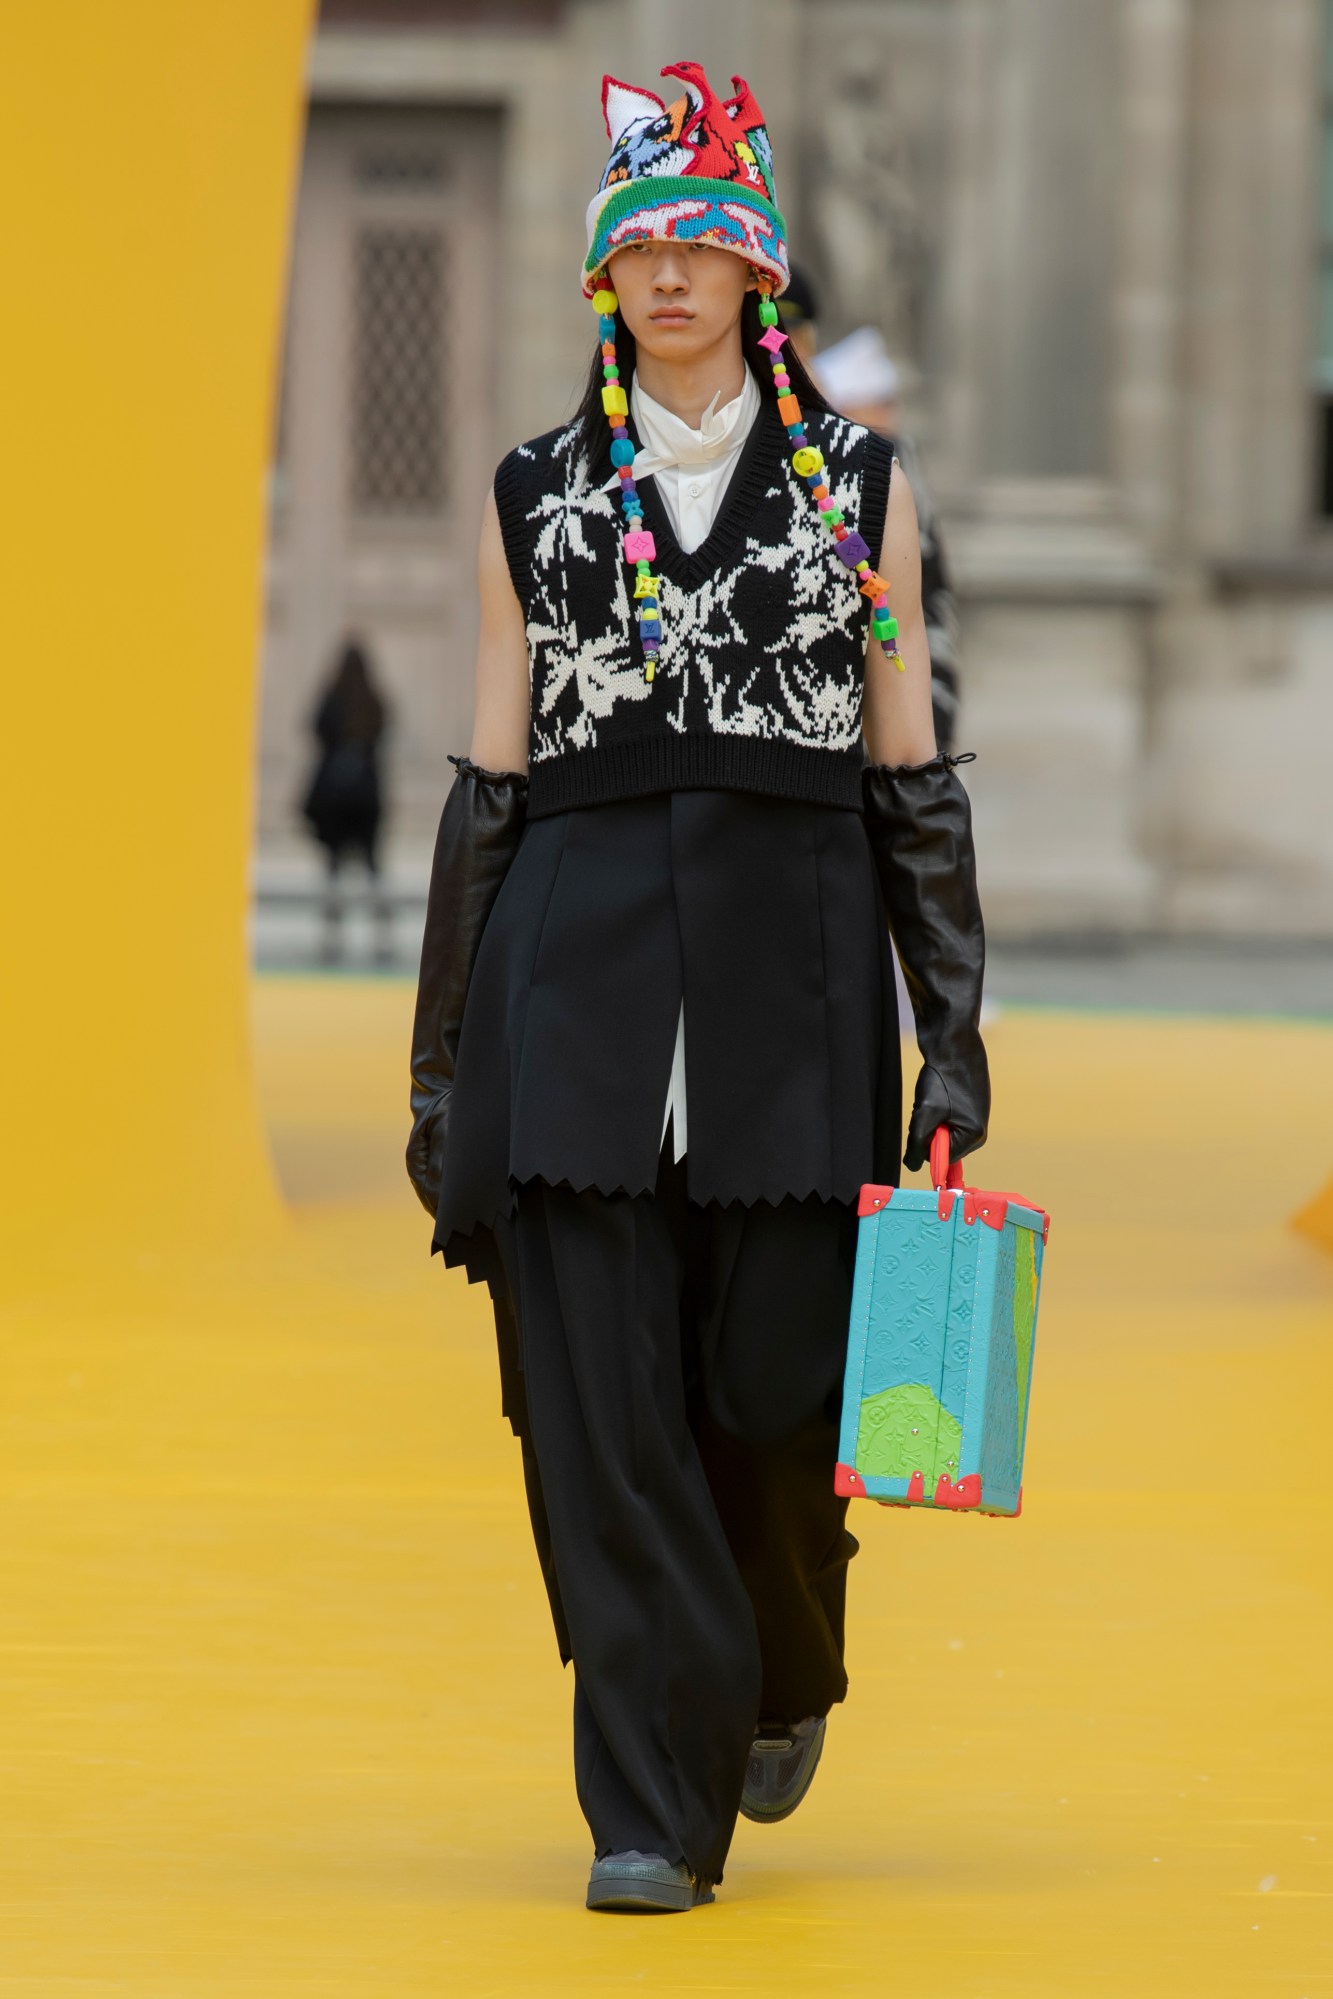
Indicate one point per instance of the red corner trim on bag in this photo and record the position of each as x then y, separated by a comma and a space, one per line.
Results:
873, 1198
848, 1482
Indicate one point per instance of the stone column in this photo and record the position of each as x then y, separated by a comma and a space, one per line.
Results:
1055, 581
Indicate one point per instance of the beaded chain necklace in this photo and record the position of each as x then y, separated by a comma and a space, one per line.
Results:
640, 549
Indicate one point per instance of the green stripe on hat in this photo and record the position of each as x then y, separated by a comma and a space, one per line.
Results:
654, 191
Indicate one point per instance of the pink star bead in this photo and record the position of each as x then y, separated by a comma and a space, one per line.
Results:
640, 546
773, 339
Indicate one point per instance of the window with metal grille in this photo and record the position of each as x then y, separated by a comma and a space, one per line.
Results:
398, 362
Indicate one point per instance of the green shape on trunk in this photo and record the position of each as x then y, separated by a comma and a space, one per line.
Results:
907, 1429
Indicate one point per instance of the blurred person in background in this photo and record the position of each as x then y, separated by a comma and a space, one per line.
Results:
343, 805
656, 1050
860, 379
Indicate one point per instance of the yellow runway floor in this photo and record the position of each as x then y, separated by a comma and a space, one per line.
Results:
281, 1710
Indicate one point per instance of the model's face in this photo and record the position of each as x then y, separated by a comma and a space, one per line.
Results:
679, 300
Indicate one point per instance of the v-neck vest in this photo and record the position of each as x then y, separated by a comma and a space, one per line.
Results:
761, 671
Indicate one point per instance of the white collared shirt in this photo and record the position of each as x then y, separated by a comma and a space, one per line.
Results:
692, 469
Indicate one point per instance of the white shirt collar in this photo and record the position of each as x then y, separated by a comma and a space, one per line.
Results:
672, 441
667, 441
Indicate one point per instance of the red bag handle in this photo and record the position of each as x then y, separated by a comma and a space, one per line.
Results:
944, 1172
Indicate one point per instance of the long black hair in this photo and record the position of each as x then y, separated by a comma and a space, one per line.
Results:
592, 417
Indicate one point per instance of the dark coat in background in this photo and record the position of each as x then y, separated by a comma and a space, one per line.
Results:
344, 805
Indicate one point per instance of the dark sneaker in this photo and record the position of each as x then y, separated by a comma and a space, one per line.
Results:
781, 1769
644, 1884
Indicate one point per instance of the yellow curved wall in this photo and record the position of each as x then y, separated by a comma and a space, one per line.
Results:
148, 152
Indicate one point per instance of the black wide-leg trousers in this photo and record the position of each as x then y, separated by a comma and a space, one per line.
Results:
682, 1372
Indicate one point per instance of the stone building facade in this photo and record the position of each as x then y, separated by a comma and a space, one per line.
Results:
1098, 235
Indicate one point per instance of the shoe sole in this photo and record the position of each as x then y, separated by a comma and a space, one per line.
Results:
645, 1898
784, 1811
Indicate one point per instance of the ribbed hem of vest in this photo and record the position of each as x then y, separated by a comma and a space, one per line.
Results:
695, 763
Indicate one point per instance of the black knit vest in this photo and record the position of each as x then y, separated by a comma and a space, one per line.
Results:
761, 671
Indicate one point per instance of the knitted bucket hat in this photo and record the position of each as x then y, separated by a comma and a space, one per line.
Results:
700, 170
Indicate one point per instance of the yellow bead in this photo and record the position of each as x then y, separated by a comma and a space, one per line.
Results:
645, 586
613, 401
605, 302
807, 460
648, 670
900, 662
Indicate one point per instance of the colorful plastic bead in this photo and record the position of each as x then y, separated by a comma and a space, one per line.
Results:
775, 337
873, 586
605, 302
852, 549
768, 312
622, 451
606, 327
789, 410
808, 459
640, 547
613, 401
644, 584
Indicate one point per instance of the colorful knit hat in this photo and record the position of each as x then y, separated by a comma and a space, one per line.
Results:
699, 169
702, 170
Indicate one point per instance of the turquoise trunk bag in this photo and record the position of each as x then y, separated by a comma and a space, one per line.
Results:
939, 1351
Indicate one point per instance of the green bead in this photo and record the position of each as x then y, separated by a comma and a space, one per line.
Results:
768, 312
892, 632
833, 516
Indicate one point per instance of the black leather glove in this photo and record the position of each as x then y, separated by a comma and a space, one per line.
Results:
478, 838
919, 825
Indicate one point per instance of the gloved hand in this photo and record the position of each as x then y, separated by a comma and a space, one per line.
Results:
479, 834
919, 824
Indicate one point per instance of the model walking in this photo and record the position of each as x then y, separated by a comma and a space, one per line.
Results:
656, 1046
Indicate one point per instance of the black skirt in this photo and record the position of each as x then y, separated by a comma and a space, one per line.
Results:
765, 916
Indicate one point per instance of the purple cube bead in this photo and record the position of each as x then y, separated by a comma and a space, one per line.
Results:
852, 549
